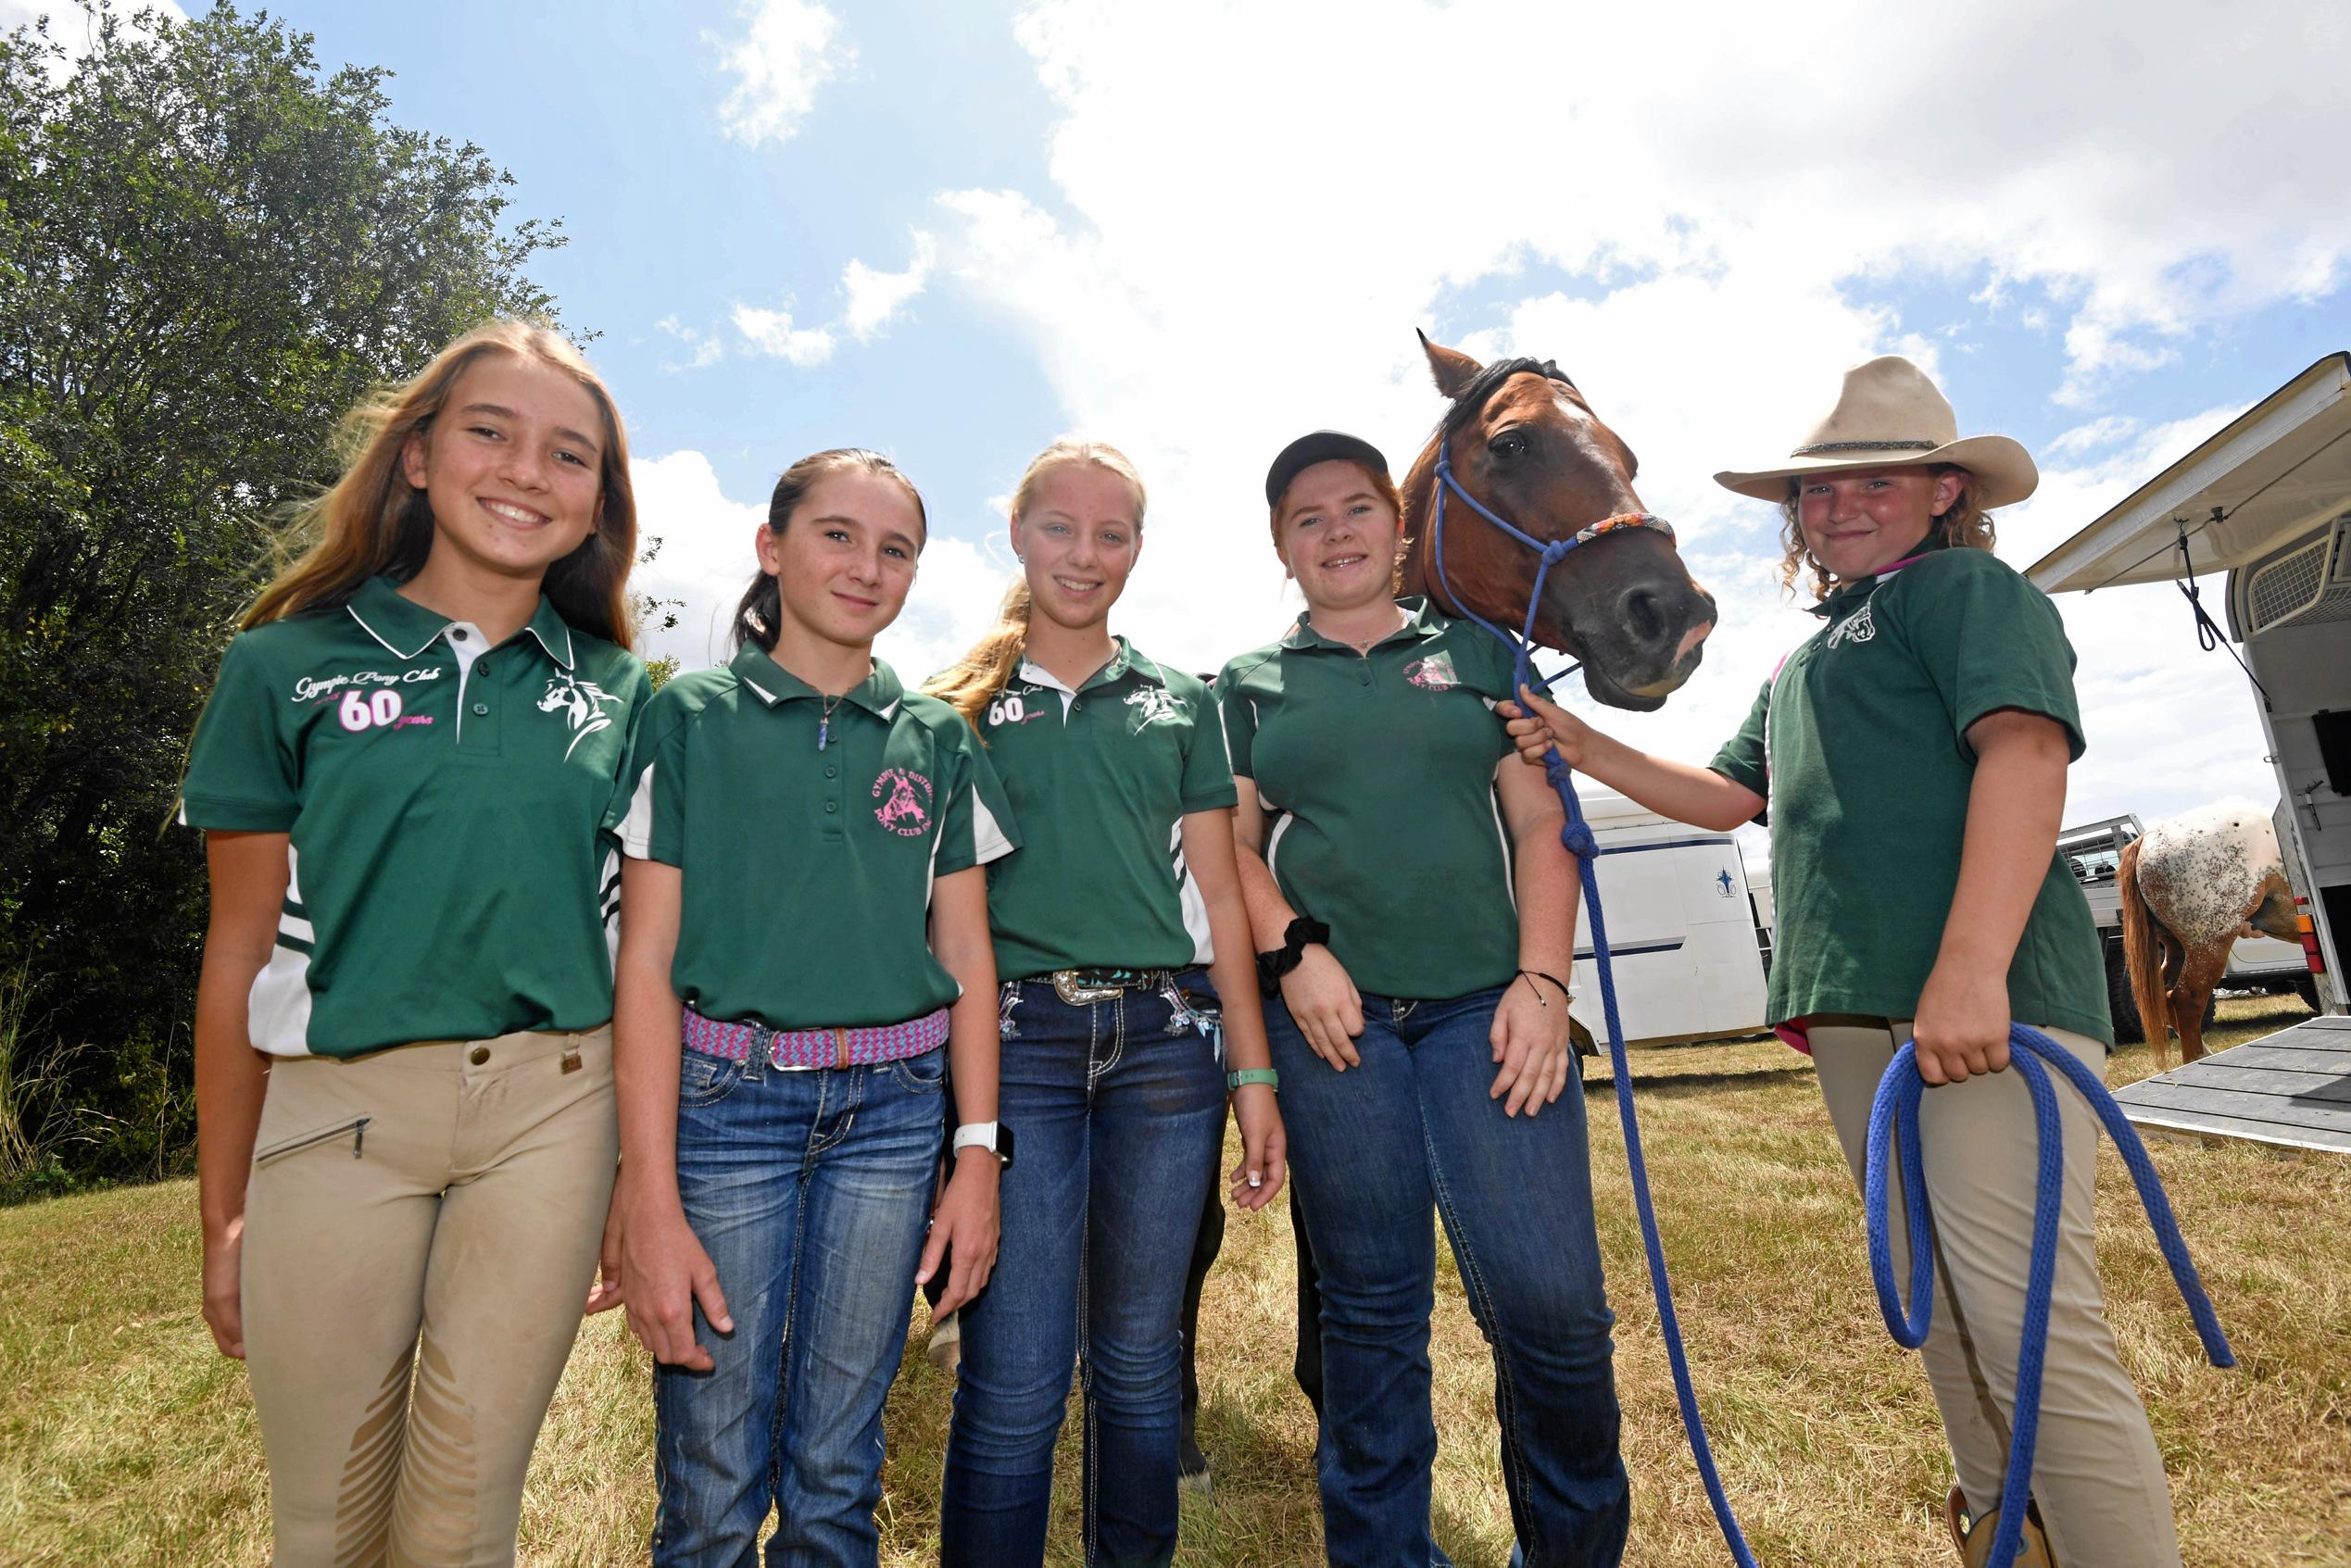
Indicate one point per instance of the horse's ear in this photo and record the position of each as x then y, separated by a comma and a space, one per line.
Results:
1453, 369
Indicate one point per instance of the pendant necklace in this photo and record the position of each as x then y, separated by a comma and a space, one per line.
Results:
825, 722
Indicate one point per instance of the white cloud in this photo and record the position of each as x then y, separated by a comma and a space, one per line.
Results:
772, 332
707, 348
787, 50
2104, 430
1722, 214
874, 298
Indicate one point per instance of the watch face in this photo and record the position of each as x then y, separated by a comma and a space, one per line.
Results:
1004, 1145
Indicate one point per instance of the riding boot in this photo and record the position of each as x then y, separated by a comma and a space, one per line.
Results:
1972, 1535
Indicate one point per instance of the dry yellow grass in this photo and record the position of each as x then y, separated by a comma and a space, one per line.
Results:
123, 1439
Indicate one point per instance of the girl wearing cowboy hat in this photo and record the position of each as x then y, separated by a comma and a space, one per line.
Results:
1934, 708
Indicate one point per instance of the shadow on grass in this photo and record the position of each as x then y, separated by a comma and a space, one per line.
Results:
1681, 1085
1249, 1453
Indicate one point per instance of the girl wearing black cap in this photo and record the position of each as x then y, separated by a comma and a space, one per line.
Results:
1420, 1026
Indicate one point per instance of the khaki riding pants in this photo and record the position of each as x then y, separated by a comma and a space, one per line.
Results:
413, 1286
2097, 1475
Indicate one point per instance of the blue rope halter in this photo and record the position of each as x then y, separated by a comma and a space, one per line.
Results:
1897, 1102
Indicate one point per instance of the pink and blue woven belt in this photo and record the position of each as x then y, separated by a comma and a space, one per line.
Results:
815, 1047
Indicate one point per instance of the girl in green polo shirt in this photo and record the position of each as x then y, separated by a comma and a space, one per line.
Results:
1416, 913
404, 1067
1910, 758
1118, 928
803, 947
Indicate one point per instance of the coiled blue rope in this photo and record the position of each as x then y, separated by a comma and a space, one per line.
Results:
1896, 1104
1894, 1118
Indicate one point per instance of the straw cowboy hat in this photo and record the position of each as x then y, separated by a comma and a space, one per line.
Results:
1889, 415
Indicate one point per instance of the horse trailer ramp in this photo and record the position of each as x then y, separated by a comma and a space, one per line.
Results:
2291, 1090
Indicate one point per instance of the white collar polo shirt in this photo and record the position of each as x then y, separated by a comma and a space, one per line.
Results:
809, 834
1102, 776
451, 873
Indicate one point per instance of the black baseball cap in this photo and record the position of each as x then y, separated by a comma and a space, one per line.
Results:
1320, 447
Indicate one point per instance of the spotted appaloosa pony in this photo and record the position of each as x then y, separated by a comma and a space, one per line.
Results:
2191, 887
1523, 442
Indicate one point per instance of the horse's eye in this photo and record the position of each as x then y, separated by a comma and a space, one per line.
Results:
1509, 447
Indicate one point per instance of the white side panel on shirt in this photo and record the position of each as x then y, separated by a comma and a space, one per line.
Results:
278, 1008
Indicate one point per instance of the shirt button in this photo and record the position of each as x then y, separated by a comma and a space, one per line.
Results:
832, 806
480, 710
478, 1056
456, 633
481, 665
832, 771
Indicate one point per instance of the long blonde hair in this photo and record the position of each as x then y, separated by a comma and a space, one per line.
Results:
970, 683
372, 521
1963, 526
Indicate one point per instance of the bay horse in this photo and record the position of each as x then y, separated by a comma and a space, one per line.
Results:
1521, 439
2190, 887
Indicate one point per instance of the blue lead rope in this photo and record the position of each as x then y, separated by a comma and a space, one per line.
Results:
1897, 1102
1895, 1110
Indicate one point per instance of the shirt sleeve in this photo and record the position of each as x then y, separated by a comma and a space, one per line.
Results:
1987, 639
244, 774
652, 825
639, 697
976, 826
1490, 665
1239, 721
1207, 783
1744, 760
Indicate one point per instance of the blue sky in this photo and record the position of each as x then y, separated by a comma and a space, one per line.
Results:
956, 231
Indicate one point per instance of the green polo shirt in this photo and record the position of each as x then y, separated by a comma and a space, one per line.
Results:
1858, 743
1380, 772
449, 876
1102, 778
807, 873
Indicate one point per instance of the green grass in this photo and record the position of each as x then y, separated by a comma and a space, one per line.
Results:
124, 1440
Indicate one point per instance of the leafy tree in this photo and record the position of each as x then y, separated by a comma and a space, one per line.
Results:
210, 249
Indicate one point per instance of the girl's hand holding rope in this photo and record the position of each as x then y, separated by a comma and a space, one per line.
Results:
1536, 724
1962, 1027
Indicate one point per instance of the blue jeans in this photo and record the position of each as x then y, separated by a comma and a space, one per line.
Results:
1371, 1151
811, 1190
1119, 1108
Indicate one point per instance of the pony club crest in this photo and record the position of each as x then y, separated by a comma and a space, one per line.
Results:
905, 798
1434, 674
1855, 628
1153, 705
581, 702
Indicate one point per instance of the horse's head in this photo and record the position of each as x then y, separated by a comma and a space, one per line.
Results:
558, 695
1523, 441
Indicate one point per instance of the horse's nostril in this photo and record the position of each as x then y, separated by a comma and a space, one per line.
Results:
1643, 619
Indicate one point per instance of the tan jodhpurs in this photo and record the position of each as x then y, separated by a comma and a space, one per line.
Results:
2097, 1475
421, 1228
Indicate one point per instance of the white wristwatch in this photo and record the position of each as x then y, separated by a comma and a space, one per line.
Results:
993, 1136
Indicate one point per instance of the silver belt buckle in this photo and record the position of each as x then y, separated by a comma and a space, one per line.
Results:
1077, 993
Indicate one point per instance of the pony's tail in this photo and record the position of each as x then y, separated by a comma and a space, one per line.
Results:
2143, 952
970, 683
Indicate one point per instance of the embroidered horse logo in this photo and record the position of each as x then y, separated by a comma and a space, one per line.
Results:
582, 705
1434, 674
1154, 704
1856, 628
906, 811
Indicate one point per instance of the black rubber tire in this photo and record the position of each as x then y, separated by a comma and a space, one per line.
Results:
2128, 1030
